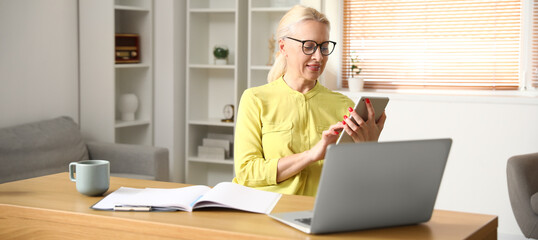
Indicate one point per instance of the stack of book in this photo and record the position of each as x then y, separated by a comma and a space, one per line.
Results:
216, 146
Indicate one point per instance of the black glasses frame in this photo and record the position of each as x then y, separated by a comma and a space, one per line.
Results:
316, 46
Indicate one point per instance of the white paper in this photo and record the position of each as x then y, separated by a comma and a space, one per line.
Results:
117, 196
236, 196
180, 198
225, 194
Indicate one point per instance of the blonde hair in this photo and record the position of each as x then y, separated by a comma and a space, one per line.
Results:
295, 15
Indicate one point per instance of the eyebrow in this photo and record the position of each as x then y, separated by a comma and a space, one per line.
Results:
308, 40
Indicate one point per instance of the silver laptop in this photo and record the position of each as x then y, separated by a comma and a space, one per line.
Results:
374, 185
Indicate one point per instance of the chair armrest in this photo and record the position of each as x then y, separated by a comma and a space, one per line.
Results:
522, 174
522, 178
133, 159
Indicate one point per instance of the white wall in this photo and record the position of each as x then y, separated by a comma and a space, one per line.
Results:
38, 60
486, 131
170, 82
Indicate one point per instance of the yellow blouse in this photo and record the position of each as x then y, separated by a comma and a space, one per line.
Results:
275, 121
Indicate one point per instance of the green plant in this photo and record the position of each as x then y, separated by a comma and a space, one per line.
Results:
355, 69
220, 52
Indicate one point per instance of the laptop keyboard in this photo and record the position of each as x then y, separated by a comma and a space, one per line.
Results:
306, 221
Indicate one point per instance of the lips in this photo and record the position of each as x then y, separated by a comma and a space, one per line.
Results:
313, 67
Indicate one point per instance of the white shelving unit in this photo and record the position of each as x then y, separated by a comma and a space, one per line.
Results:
245, 26
103, 81
210, 87
263, 18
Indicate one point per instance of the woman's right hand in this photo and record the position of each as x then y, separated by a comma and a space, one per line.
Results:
328, 137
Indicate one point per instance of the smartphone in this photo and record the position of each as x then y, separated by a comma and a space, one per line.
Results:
379, 104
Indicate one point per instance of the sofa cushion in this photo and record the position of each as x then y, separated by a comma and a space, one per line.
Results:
40, 148
534, 203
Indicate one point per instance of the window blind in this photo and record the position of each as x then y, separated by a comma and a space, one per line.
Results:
434, 44
535, 45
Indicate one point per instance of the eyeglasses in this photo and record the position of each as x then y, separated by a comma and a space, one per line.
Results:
310, 46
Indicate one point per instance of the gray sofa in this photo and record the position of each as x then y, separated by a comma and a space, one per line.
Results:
47, 147
522, 177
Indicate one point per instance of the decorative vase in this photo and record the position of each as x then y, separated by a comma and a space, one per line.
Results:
221, 61
128, 104
355, 84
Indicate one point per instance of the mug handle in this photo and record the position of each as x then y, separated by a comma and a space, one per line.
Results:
72, 171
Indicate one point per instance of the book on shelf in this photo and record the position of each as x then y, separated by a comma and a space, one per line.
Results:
222, 136
223, 195
220, 143
211, 152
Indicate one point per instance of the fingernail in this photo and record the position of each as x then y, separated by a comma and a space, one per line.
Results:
350, 109
345, 117
335, 132
367, 100
344, 122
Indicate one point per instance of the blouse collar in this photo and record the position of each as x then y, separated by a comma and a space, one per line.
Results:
311, 93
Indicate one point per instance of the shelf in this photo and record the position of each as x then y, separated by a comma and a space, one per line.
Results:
122, 124
102, 76
212, 122
260, 67
228, 161
262, 27
211, 66
131, 8
131, 65
212, 10
209, 87
271, 9
274, 4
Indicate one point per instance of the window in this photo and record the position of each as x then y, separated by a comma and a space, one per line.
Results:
534, 72
429, 44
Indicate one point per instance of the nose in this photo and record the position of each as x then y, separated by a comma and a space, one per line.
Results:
317, 54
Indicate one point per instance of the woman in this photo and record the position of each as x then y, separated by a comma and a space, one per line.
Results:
284, 127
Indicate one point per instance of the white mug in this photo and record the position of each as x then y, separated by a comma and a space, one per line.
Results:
92, 176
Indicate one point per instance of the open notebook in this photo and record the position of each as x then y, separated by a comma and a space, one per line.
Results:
224, 194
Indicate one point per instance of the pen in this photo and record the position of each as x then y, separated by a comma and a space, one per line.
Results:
132, 208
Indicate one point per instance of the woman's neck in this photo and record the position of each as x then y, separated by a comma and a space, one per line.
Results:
299, 84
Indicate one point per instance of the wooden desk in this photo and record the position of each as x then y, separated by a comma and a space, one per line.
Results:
50, 207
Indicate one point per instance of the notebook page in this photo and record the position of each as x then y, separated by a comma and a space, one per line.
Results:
239, 197
180, 198
115, 197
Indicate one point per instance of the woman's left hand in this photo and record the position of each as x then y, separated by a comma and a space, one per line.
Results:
364, 131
